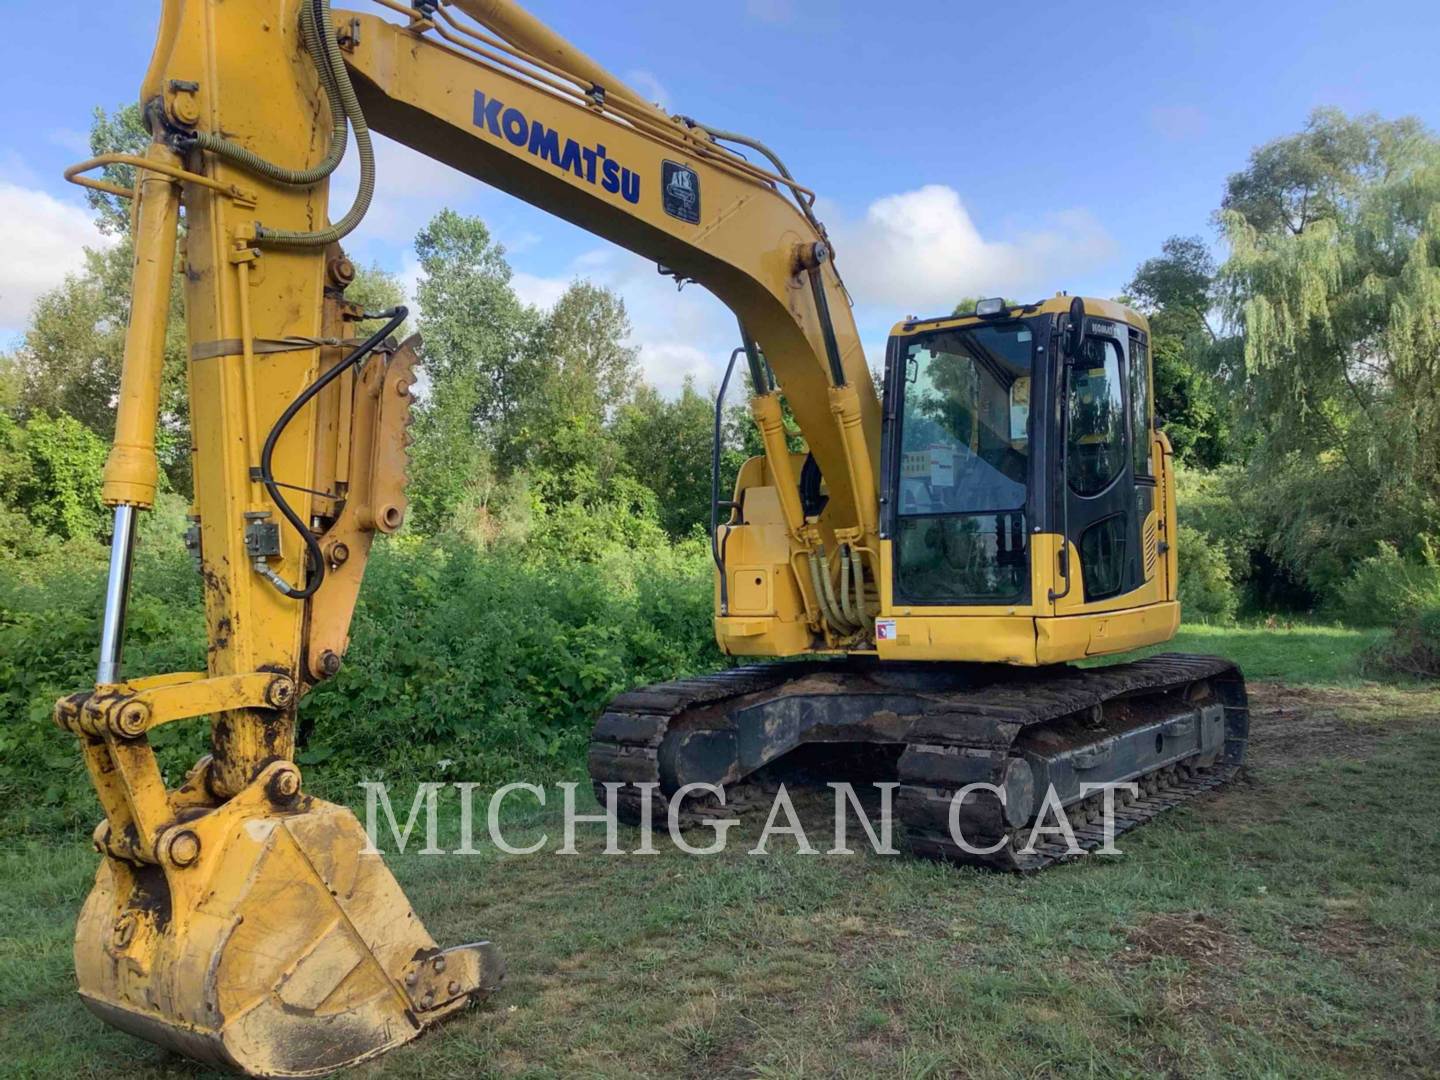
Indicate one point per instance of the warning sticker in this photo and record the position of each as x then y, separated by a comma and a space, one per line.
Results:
884, 629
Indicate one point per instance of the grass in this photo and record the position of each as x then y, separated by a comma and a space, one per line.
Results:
1314, 654
1286, 926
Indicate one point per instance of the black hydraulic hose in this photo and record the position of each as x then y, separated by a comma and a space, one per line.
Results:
265, 474
715, 482
827, 327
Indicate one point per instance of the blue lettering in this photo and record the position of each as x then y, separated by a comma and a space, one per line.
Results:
487, 113
516, 128
570, 158
591, 164
544, 143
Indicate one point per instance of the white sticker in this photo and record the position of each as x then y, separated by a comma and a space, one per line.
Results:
884, 629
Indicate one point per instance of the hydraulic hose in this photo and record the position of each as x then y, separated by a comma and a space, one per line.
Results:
847, 610
252, 162
266, 475
825, 612
316, 24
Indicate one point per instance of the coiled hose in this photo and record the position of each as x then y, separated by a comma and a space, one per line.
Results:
315, 23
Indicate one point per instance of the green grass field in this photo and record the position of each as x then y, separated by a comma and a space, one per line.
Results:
1286, 926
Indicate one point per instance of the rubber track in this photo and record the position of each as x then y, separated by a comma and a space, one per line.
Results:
968, 727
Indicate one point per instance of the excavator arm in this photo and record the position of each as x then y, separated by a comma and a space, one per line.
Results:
236, 918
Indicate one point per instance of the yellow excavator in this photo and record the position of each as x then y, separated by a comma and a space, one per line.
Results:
926, 570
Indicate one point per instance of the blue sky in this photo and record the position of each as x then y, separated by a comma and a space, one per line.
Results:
957, 148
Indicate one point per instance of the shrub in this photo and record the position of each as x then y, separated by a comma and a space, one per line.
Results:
1207, 587
489, 666
1388, 589
466, 663
1413, 649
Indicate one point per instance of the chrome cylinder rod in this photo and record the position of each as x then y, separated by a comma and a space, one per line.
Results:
117, 596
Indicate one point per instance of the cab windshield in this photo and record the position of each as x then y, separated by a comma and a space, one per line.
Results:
965, 464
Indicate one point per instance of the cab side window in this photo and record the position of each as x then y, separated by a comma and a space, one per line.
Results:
1140, 407
1096, 451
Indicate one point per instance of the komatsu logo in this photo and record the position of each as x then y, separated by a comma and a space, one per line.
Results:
589, 163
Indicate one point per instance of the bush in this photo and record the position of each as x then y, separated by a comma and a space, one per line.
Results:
1207, 587
1413, 649
488, 666
1388, 589
50, 606
466, 663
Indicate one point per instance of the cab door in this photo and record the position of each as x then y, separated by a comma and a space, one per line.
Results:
1107, 481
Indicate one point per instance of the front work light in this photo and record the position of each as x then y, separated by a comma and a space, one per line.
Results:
987, 308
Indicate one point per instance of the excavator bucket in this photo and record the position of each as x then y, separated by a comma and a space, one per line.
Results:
274, 943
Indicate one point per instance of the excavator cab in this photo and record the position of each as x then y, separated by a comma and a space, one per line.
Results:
1022, 514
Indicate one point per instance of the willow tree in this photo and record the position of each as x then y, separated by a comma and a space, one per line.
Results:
1334, 274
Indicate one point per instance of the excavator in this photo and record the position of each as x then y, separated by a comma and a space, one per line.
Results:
921, 580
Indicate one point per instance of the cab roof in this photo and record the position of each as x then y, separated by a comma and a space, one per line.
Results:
1057, 304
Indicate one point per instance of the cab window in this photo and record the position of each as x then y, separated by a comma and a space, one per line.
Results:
1096, 452
965, 465
1140, 407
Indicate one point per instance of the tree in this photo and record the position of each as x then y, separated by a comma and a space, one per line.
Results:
1177, 286
474, 330
579, 371
1313, 176
666, 445
376, 289
50, 470
1334, 272
1176, 292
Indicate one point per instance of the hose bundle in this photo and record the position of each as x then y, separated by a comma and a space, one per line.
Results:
321, 42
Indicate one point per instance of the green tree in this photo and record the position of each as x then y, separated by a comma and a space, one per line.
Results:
376, 289
68, 362
1177, 287
666, 445
1176, 292
474, 330
579, 371
1334, 273
50, 471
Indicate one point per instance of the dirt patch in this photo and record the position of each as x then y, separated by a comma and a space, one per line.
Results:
1343, 935
1198, 939
1290, 724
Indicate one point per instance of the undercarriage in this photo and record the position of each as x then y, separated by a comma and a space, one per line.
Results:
980, 753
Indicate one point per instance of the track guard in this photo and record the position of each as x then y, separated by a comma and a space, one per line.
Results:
280, 949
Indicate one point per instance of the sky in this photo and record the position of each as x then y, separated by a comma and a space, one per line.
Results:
958, 149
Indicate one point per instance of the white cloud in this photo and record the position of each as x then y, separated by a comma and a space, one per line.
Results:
920, 251
649, 87
44, 240
541, 292
70, 139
